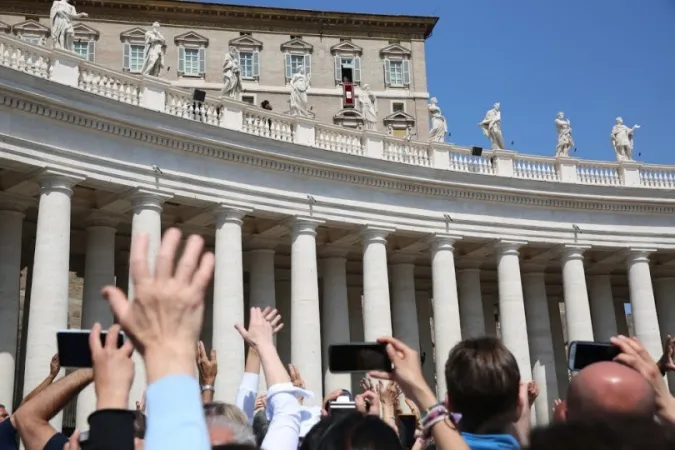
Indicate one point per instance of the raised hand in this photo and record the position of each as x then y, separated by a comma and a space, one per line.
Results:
207, 365
532, 392
260, 332
165, 318
367, 384
274, 318
368, 403
54, 365
666, 363
296, 378
113, 368
260, 402
140, 404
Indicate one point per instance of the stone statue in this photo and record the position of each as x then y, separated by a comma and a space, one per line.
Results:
439, 126
154, 52
61, 17
622, 140
368, 107
232, 74
299, 102
492, 127
565, 141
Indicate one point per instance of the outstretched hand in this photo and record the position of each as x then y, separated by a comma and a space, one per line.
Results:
666, 362
113, 368
260, 332
54, 365
207, 365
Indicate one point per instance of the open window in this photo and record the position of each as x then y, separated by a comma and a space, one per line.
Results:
347, 56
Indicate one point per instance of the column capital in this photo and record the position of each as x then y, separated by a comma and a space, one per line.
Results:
509, 247
634, 255
571, 252
374, 233
226, 213
58, 181
142, 199
443, 241
304, 224
100, 218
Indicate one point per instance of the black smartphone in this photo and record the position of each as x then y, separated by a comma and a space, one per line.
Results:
584, 353
73, 347
407, 434
358, 357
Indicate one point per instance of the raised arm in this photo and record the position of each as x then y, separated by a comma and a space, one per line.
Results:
54, 368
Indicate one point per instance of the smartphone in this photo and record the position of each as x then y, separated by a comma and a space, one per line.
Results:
344, 404
407, 434
583, 353
358, 357
73, 347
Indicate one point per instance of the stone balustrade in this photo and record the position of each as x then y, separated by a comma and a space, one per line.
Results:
149, 92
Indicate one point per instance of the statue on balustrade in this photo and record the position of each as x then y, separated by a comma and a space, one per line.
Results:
299, 102
155, 44
439, 127
232, 74
622, 140
61, 17
492, 127
565, 140
368, 107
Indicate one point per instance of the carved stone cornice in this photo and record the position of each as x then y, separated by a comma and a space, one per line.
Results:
245, 18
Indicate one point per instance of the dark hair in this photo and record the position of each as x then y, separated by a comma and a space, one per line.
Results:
625, 432
260, 426
233, 447
353, 431
139, 425
483, 383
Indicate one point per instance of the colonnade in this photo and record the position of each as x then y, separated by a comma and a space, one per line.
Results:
527, 314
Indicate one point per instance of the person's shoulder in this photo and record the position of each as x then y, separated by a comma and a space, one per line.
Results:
7, 435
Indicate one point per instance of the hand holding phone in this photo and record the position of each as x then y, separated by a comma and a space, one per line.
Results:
73, 347
585, 353
358, 357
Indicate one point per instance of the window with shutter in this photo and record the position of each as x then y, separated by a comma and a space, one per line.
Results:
256, 64
338, 68
181, 60
126, 64
387, 72
308, 64
406, 72
92, 51
357, 69
202, 61
289, 67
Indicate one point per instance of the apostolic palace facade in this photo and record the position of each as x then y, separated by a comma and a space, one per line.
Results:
338, 205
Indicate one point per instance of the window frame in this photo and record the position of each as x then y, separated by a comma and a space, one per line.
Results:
253, 96
346, 49
88, 35
245, 43
255, 64
395, 102
191, 41
396, 53
296, 47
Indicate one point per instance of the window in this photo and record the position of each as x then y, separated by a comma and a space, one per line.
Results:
396, 65
86, 49
31, 31
191, 65
297, 54
191, 54
347, 62
250, 65
397, 107
134, 56
296, 62
250, 99
32, 40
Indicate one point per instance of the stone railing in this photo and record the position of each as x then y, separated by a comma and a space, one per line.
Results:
156, 94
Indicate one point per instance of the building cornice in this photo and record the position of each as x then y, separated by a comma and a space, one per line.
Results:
244, 18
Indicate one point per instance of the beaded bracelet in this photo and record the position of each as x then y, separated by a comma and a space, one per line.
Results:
432, 416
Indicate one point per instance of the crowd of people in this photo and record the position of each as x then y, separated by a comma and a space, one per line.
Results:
620, 404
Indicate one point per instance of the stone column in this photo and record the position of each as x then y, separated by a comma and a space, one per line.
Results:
645, 321
147, 219
376, 307
511, 305
602, 307
11, 227
99, 271
335, 316
559, 350
577, 308
541, 342
445, 304
228, 300
620, 316
404, 308
664, 287
354, 299
283, 302
470, 301
426, 343
49, 292
261, 282
489, 315
122, 271
306, 331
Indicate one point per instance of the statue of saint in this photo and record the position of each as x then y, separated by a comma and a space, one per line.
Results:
622, 140
154, 52
492, 127
299, 102
439, 126
368, 107
232, 74
61, 17
565, 141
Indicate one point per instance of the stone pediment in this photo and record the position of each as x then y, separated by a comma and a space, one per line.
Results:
399, 117
82, 30
349, 118
191, 38
395, 50
297, 45
134, 34
4, 28
246, 42
346, 47
31, 27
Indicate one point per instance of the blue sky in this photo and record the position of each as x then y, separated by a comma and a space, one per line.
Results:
593, 59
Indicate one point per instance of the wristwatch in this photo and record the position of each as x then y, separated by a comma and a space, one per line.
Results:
207, 387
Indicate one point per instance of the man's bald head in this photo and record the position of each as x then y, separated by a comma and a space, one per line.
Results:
609, 388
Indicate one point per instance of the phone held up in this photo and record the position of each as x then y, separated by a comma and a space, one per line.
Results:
73, 347
584, 353
358, 357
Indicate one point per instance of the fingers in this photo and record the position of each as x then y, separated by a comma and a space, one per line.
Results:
127, 348
74, 441
166, 255
242, 331
278, 328
118, 302
188, 263
95, 339
111, 337
202, 277
381, 375
275, 321
138, 258
201, 351
213, 355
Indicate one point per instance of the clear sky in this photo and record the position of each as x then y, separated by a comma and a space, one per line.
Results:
593, 59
